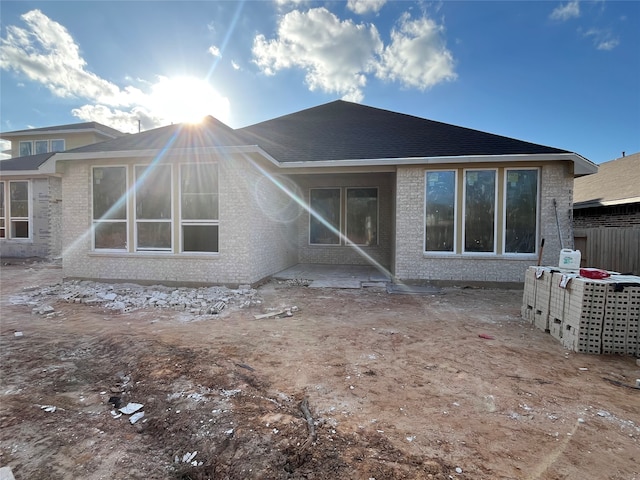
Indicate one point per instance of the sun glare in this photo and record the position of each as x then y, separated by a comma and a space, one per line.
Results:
188, 99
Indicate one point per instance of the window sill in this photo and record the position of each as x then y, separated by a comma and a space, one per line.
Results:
158, 255
487, 256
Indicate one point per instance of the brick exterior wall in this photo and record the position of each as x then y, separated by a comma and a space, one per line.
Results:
341, 254
252, 244
614, 216
412, 264
45, 225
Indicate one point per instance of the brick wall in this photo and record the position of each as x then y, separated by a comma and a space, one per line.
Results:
411, 263
252, 244
614, 216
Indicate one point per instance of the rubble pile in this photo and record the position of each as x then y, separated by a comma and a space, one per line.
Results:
126, 297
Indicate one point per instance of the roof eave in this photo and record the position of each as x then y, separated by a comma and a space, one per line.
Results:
605, 203
28, 133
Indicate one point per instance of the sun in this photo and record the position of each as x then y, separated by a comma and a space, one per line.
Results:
187, 99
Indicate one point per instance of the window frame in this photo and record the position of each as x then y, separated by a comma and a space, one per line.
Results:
456, 212
504, 212
3, 211
496, 207
25, 142
8, 218
197, 222
340, 219
64, 144
137, 220
126, 219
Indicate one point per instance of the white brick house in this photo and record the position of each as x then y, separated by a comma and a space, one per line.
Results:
340, 183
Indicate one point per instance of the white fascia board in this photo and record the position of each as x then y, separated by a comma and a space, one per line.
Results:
582, 165
174, 152
30, 133
605, 203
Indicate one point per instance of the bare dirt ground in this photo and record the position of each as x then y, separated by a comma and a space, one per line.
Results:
397, 387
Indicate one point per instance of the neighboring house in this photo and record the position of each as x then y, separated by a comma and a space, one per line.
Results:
31, 194
606, 215
340, 183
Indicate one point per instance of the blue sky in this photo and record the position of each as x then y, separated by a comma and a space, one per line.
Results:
563, 74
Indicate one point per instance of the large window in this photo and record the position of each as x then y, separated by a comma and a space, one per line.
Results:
109, 208
57, 146
480, 211
42, 146
440, 211
324, 221
521, 211
199, 207
153, 208
15, 210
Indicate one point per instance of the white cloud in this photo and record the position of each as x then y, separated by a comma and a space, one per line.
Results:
335, 54
235, 65
215, 51
417, 56
339, 55
566, 12
365, 6
602, 39
45, 52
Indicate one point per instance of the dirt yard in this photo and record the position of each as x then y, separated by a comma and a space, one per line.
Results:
355, 384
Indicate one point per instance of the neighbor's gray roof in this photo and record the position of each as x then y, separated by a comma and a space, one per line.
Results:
334, 131
71, 127
29, 162
617, 182
342, 130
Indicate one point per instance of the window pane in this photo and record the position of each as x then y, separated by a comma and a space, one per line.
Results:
326, 204
199, 192
521, 211
19, 229
25, 148
153, 192
440, 211
479, 221
111, 235
200, 238
57, 145
109, 193
2, 199
154, 235
362, 216
41, 146
19, 199
2, 231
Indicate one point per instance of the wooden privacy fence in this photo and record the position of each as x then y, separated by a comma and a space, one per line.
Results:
610, 248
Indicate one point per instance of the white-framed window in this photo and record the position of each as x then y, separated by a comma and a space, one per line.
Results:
153, 207
57, 145
34, 147
479, 204
362, 215
521, 207
25, 148
199, 208
441, 193
42, 146
325, 218
109, 195
15, 209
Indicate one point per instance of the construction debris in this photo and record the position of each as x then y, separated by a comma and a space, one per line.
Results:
126, 297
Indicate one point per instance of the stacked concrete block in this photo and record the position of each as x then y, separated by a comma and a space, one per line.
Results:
585, 315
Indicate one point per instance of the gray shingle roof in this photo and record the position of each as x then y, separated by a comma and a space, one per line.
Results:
342, 130
62, 128
209, 133
617, 182
29, 162
334, 131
